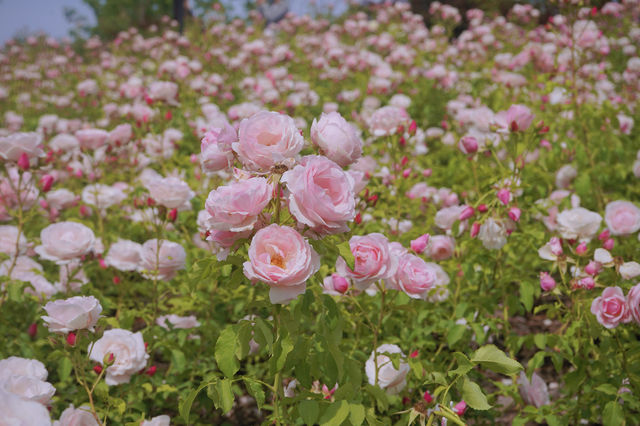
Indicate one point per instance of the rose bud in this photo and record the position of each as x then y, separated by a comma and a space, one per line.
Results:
420, 244
71, 339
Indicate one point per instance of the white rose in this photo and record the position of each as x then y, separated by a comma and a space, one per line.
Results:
60, 198
102, 196
18, 411
128, 351
80, 416
388, 377
157, 421
629, 270
124, 255
65, 241
16, 366
565, 175
29, 388
75, 313
13, 146
493, 234
177, 321
578, 223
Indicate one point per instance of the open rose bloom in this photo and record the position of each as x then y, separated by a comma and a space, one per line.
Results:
72, 314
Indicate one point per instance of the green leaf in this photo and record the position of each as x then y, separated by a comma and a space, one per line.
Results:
178, 360
345, 251
527, 291
356, 414
473, 396
226, 395
455, 333
494, 359
379, 395
255, 390
64, 369
412, 416
608, 389
225, 353
335, 414
464, 365
184, 407
612, 414
308, 411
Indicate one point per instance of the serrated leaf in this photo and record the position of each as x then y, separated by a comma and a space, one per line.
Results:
345, 252
308, 411
494, 359
225, 352
226, 395
255, 390
473, 396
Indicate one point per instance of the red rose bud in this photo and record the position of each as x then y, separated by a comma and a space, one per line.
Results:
427, 397
414, 354
102, 263
150, 202
413, 126
402, 141
108, 359
173, 214
373, 199
466, 213
168, 116
116, 280
604, 235
581, 249
46, 182
475, 229
608, 244
33, 330
514, 126
482, 208
401, 129
23, 161
594, 11
514, 214
146, 346
358, 219
151, 371
71, 339
97, 369
406, 173
404, 160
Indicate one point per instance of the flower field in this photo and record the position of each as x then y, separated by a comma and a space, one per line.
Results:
362, 220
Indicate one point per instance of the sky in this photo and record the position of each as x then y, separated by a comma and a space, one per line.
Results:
48, 15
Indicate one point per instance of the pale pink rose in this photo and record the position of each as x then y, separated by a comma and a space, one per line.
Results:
176, 321
629, 270
516, 118
235, 207
280, 257
565, 175
215, 148
163, 91
65, 241
611, 308
493, 234
447, 216
92, 138
121, 134
80, 416
441, 247
633, 302
170, 192
10, 242
267, 139
373, 260
29, 388
578, 223
626, 123
19, 411
16, 366
64, 142
415, 277
124, 255
162, 257
622, 217
102, 196
389, 378
60, 198
320, 195
16, 144
366, 165
75, 313
386, 120
335, 285
128, 350
336, 139
163, 420
534, 392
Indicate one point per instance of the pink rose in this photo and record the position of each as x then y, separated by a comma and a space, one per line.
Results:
92, 138
633, 302
128, 350
170, 192
516, 118
215, 148
373, 260
75, 313
169, 259
163, 91
176, 321
535, 392
335, 285
80, 416
611, 308
124, 255
280, 257
447, 216
16, 144
336, 138
441, 247
415, 277
12, 241
65, 241
236, 206
622, 217
266, 139
320, 195
386, 120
